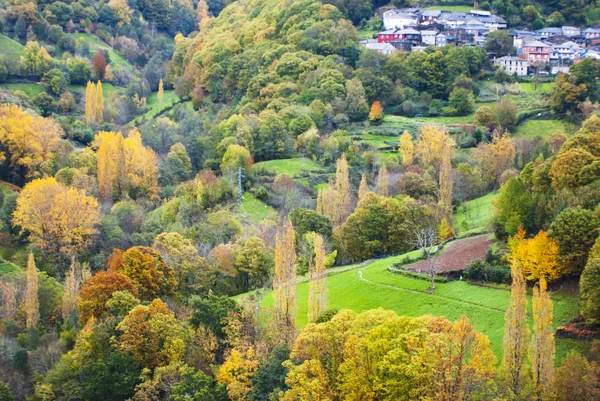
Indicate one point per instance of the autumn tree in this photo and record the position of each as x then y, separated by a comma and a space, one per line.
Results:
99, 65
148, 271
536, 257
407, 148
577, 379
445, 196
151, 335
90, 102
496, 157
542, 342
284, 280
28, 141
96, 291
237, 371
516, 336
98, 103
161, 92
589, 288
376, 115
567, 166
445, 231
8, 300
59, 220
35, 58
363, 188
317, 293
334, 201
32, 305
430, 147
382, 181
202, 15
76, 277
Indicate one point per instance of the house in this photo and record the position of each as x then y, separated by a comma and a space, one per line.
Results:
394, 19
381, 48
520, 37
411, 35
428, 37
388, 36
441, 40
513, 65
549, 32
402, 44
480, 13
475, 28
565, 52
453, 19
430, 16
591, 33
391, 35
536, 52
491, 21
570, 31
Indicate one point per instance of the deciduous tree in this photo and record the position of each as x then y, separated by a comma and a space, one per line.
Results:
376, 115
363, 188
407, 148
32, 305
284, 280
161, 92
382, 181
445, 197
317, 292
536, 257
589, 288
542, 343
148, 271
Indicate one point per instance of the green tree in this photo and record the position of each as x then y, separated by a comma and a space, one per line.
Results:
5, 394
461, 100
269, 379
55, 80
45, 103
589, 288
254, 262
512, 209
484, 116
575, 229
499, 43
306, 220
507, 114
211, 312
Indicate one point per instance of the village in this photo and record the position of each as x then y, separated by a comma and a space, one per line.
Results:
550, 50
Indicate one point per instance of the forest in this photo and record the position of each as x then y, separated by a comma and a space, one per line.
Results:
235, 200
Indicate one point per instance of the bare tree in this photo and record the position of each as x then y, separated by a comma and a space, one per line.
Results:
426, 240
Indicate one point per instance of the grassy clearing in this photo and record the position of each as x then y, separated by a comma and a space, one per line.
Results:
474, 216
377, 141
169, 99
8, 267
29, 89
10, 48
253, 209
543, 87
485, 307
364, 34
116, 61
543, 128
292, 167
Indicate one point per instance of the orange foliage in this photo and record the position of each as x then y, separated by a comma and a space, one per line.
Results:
148, 272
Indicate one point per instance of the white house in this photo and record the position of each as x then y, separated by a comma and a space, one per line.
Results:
513, 65
398, 19
591, 33
430, 16
549, 32
565, 51
453, 19
570, 31
381, 48
428, 37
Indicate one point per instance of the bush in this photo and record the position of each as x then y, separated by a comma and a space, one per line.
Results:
483, 271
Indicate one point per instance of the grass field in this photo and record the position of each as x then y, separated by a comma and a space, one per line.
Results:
366, 33
291, 167
378, 287
169, 99
29, 89
543, 87
474, 216
116, 61
543, 128
253, 209
10, 48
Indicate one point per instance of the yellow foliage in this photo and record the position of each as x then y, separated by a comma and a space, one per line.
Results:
237, 371
382, 181
32, 305
284, 280
317, 293
536, 257
432, 141
407, 148
542, 342
363, 189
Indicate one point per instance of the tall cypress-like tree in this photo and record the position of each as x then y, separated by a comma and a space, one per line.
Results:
90, 101
363, 189
542, 342
161, 91
445, 200
407, 148
342, 189
99, 103
284, 280
317, 293
32, 306
382, 181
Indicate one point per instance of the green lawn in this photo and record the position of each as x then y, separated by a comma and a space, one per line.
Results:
169, 99
485, 307
116, 61
543, 87
377, 141
474, 216
366, 33
543, 128
29, 89
291, 167
10, 48
253, 209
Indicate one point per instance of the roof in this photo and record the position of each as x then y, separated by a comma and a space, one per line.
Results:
398, 14
379, 46
431, 13
570, 28
509, 58
429, 32
481, 12
591, 30
537, 43
549, 30
409, 32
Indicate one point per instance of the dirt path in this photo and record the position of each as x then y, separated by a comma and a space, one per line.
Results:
458, 255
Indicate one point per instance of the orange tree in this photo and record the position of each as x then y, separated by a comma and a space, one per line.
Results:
148, 271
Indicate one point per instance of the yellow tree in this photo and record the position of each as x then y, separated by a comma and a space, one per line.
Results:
59, 220
141, 172
8, 300
542, 343
161, 91
74, 280
90, 101
407, 148
284, 280
202, 15
35, 58
32, 306
445, 200
317, 293
430, 147
496, 157
382, 181
343, 194
363, 189
98, 103
536, 257
516, 334
237, 371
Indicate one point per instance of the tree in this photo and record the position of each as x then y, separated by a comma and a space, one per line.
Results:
98, 290
542, 342
461, 100
407, 148
484, 116
445, 197
161, 92
74, 280
90, 102
512, 208
202, 15
98, 103
45, 103
589, 288
234, 158
32, 305
284, 280
426, 240
237, 371
567, 94
556, 19
507, 114
317, 293
363, 188
575, 230
577, 379
35, 58
254, 263
334, 202
60, 220
445, 231
56, 81
382, 181
496, 157
376, 115
566, 168
536, 257
270, 376
151, 335
149, 273
306, 220
431, 143
499, 43
5, 394
516, 333
99, 65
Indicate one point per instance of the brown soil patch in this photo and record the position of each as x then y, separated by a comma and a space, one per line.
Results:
458, 256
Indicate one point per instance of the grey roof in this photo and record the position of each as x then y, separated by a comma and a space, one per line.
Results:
378, 46
591, 30
431, 13
549, 30
537, 43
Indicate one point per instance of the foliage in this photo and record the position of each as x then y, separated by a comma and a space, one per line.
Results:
589, 287
284, 279
577, 379
32, 306
148, 272
537, 258
376, 114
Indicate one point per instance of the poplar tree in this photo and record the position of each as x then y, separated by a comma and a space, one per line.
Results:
161, 92
363, 189
516, 334
382, 181
445, 200
317, 293
90, 100
542, 342
202, 14
284, 280
99, 103
342, 189
74, 280
32, 307
407, 148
